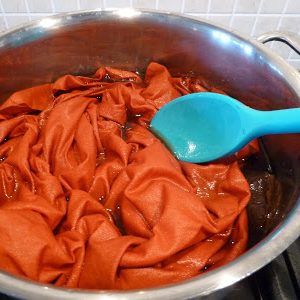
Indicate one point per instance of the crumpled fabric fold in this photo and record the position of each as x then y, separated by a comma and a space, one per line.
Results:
90, 198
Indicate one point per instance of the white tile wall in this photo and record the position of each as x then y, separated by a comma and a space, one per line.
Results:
2, 23
273, 6
243, 24
221, 6
293, 6
89, 4
249, 17
39, 6
247, 6
170, 5
220, 19
16, 20
117, 3
265, 23
195, 6
65, 5
14, 6
144, 4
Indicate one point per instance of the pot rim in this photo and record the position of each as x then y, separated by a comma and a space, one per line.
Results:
276, 242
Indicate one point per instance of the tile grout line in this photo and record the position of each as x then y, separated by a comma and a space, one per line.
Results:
182, 6
280, 21
256, 18
187, 13
3, 15
282, 14
25, 14
245, 14
233, 13
52, 6
208, 9
27, 10
292, 51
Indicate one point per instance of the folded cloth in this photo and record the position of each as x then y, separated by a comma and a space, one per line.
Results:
90, 198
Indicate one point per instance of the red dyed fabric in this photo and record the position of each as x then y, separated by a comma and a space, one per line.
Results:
90, 198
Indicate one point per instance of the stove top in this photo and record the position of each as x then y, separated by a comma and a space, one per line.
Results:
279, 280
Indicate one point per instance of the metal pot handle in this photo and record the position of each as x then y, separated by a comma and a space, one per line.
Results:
289, 38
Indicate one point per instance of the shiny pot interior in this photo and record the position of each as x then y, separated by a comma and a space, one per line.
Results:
79, 43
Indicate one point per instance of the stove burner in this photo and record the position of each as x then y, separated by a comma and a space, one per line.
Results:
279, 280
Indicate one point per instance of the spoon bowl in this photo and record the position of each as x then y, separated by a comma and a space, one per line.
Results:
202, 127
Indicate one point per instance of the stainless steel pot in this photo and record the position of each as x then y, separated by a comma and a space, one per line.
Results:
78, 43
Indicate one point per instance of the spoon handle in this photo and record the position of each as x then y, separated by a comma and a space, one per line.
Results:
278, 121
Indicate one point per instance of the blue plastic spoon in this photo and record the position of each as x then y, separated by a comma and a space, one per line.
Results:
202, 127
